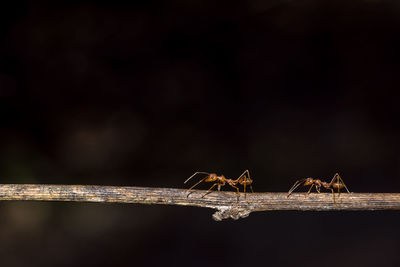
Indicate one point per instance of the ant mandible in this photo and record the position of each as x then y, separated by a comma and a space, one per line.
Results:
336, 183
220, 180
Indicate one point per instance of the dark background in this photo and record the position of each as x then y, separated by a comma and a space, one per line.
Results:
145, 93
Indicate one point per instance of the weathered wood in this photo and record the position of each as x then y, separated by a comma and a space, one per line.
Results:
224, 202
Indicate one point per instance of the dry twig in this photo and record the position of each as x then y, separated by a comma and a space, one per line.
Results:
224, 202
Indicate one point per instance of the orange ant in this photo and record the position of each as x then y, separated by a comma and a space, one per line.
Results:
336, 182
244, 179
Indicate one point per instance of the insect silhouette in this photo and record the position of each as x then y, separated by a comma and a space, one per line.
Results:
336, 183
220, 180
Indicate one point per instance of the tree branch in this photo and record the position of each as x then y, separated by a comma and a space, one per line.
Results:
225, 203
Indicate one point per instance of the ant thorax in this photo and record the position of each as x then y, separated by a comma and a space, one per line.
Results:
324, 184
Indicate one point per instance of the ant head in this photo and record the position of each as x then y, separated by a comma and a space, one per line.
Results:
309, 181
212, 177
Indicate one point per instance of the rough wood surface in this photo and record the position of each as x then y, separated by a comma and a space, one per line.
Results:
225, 203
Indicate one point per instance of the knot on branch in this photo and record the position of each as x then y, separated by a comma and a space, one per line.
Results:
234, 213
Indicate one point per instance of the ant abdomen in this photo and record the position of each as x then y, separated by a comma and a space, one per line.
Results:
337, 185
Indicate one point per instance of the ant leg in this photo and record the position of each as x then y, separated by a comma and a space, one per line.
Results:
309, 190
296, 184
197, 182
341, 180
237, 191
195, 185
251, 188
246, 177
209, 190
318, 188
336, 177
333, 195
244, 174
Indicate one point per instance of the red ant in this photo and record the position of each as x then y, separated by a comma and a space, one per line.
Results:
243, 179
318, 184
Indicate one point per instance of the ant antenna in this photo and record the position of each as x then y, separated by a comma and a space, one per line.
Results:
197, 183
195, 175
296, 184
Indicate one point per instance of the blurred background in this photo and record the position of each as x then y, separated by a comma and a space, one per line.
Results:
145, 93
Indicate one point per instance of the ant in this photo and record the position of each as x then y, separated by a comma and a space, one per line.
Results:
243, 179
336, 183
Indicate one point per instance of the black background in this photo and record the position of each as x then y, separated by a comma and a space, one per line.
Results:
145, 93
